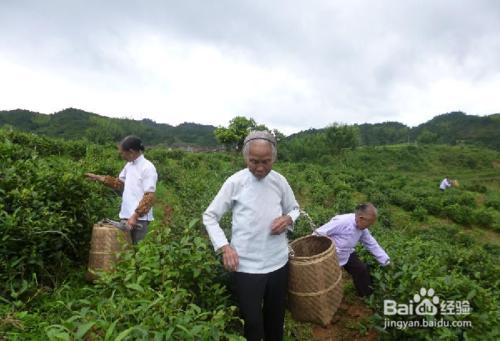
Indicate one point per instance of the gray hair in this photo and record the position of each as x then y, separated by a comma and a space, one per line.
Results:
262, 135
366, 207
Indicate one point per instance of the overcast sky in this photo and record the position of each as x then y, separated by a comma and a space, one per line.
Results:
290, 65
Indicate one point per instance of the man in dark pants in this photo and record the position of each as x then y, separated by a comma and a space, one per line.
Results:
263, 208
253, 289
346, 230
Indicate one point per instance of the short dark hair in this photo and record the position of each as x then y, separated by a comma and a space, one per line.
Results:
132, 142
365, 207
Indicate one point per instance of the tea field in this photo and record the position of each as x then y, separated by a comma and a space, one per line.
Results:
172, 286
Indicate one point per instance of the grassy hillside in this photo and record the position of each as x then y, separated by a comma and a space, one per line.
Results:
78, 124
173, 287
457, 127
454, 128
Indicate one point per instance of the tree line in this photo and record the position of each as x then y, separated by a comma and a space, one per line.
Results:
453, 128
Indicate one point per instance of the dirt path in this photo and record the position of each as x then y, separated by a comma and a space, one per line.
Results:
351, 320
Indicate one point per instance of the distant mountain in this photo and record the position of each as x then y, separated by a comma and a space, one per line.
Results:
78, 124
451, 128
457, 127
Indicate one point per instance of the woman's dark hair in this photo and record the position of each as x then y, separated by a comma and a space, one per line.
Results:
132, 142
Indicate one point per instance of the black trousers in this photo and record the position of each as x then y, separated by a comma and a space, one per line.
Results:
360, 275
261, 299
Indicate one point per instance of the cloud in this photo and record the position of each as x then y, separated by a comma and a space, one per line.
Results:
289, 64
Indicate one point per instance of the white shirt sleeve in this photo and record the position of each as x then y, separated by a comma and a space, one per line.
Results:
220, 205
290, 206
375, 249
149, 180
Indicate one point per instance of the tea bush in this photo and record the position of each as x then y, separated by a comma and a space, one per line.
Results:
172, 285
166, 289
455, 268
46, 213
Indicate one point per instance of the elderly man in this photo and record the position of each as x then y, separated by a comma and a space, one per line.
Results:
263, 208
346, 230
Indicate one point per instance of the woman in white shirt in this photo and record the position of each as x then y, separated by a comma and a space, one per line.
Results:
137, 180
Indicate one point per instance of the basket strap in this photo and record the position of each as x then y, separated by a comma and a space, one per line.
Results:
310, 294
312, 225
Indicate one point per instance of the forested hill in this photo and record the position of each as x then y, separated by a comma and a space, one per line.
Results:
457, 127
451, 128
78, 124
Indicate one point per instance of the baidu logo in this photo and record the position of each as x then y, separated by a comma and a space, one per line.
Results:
426, 302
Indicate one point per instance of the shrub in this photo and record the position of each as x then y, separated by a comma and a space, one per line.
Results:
420, 213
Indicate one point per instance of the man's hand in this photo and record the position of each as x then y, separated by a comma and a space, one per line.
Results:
94, 177
230, 258
280, 224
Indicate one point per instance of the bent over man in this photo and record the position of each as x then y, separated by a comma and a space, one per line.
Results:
346, 230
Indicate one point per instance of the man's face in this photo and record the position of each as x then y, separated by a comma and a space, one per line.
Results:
365, 220
260, 158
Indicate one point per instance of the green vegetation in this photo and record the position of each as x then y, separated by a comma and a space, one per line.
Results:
234, 135
459, 128
319, 145
454, 128
78, 124
172, 285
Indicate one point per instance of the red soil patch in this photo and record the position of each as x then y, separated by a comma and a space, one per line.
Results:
349, 323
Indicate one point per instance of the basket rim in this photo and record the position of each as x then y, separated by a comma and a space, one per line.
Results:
319, 255
103, 225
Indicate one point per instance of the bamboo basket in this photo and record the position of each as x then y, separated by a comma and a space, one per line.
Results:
107, 242
314, 285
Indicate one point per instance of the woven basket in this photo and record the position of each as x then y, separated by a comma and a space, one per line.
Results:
107, 242
314, 285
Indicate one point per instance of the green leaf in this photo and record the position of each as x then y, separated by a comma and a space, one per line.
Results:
193, 222
136, 287
124, 334
471, 294
110, 330
181, 327
158, 336
83, 329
